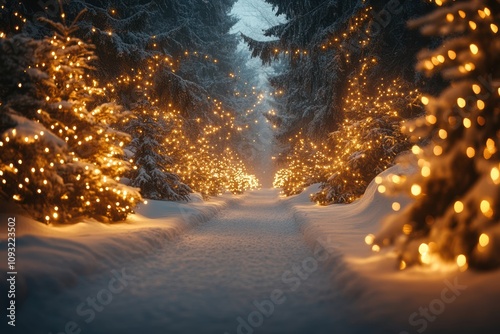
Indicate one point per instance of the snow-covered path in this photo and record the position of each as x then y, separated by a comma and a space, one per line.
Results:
247, 270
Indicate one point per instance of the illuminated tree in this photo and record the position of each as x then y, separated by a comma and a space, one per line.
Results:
153, 172
179, 52
209, 171
369, 138
195, 149
27, 147
321, 44
455, 214
307, 164
237, 178
67, 144
121, 30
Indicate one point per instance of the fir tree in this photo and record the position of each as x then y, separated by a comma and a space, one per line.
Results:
85, 167
369, 138
27, 147
321, 44
455, 212
153, 173
122, 30
308, 163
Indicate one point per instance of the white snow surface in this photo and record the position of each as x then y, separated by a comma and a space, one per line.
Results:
54, 257
436, 299
223, 274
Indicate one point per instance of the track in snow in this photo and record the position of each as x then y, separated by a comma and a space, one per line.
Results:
208, 281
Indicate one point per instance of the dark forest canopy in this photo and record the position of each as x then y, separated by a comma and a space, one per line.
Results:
323, 42
192, 36
163, 80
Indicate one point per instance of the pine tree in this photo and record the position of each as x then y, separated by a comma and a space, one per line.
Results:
73, 116
455, 212
27, 147
153, 173
321, 44
122, 30
369, 138
308, 163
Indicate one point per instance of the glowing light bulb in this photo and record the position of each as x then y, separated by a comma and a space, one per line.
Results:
416, 189
474, 49
458, 207
484, 240
485, 207
423, 248
495, 175
461, 260
467, 123
426, 171
471, 152
461, 102
369, 239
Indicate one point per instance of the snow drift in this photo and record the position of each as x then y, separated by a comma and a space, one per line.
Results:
53, 257
437, 299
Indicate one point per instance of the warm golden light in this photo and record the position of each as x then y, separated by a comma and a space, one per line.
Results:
484, 240
474, 49
471, 152
461, 260
416, 190
407, 229
495, 175
461, 102
486, 209
458, 207
426, 171
423, 248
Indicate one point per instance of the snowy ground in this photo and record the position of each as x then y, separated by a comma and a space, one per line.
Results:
440, 299
246, 269
241, 266
53, 258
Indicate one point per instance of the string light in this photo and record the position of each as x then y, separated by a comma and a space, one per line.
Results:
457, 187
199, 149
353, 145
64, 173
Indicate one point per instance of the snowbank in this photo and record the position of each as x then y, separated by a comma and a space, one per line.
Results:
432, 300
54, 257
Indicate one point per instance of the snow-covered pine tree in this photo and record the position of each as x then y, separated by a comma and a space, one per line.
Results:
190, 71
369, 138
238, 179
211, 57
322, 43
27, 147
455, 214
122, 30
202, 170
72, 108
206, 163
308, 163
189, 38
153, 173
